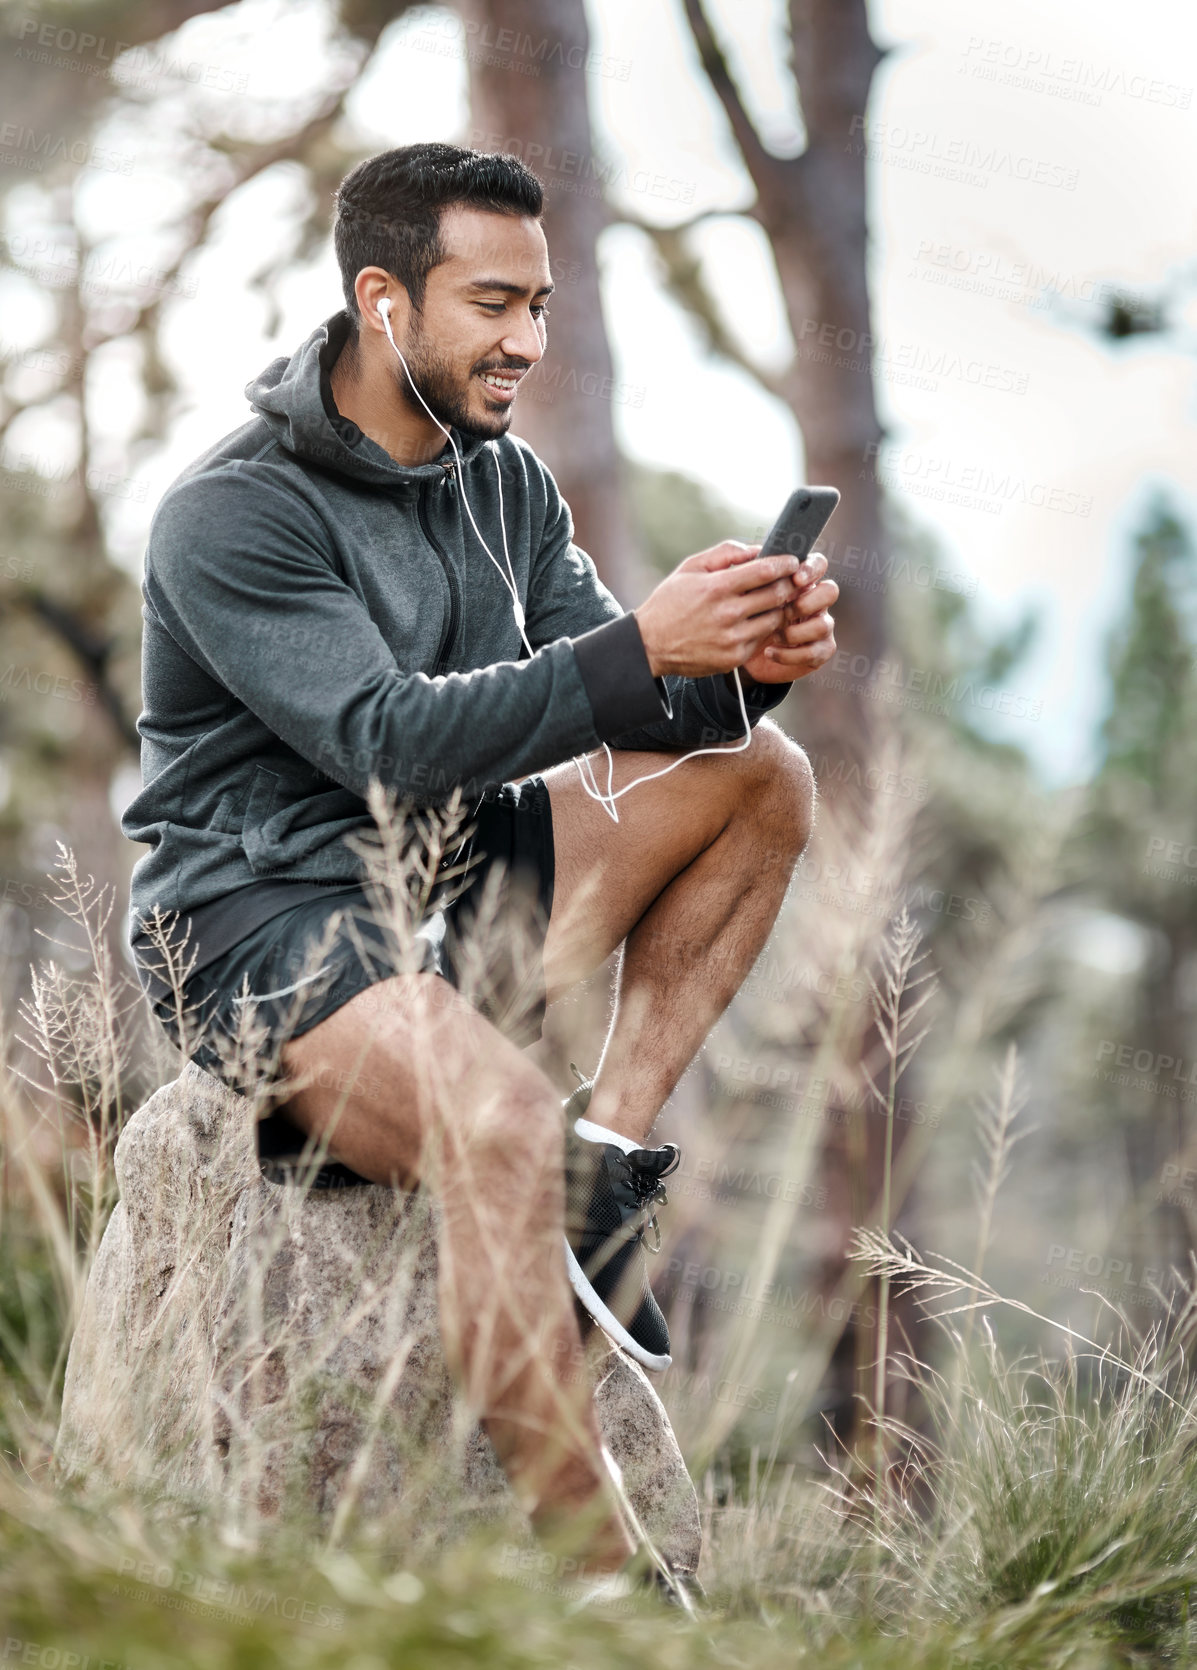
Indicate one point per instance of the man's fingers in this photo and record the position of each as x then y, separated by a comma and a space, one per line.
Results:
759, 629
760, 571
780, 594
814, 567
795, 633
804, 659
728, 554
813, 600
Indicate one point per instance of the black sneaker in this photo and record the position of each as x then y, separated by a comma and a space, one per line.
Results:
611, 1188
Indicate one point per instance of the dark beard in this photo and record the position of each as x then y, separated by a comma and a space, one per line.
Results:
441, 388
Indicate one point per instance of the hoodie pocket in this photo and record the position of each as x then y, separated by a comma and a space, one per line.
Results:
263, 793
286, 826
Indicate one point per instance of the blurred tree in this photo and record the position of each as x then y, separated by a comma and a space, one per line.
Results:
67, 716
812, 208
970, 872
1133, 853
70, 623
565, 410
45, 104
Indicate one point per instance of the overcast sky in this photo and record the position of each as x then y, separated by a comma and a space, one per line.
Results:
1017, 162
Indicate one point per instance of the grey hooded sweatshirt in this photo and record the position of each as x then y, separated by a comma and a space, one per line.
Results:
316, 615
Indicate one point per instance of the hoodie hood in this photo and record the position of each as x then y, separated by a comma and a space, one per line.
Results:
292, 398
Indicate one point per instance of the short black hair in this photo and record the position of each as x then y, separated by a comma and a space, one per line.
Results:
389, 208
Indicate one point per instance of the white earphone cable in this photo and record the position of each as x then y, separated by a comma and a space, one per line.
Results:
581, 761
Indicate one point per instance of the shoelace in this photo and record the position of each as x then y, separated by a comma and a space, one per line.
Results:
647, 1184
647, 1187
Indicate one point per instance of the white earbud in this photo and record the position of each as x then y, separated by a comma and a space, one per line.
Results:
585, 769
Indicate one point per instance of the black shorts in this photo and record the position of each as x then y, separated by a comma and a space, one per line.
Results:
487, 941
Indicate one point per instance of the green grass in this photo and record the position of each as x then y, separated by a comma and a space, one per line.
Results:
69, 1584
1047, 1519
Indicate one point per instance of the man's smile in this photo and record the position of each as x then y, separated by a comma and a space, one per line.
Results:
501, 385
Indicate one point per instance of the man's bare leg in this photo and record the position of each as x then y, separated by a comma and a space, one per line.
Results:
692, 877
438, 1094
691, 880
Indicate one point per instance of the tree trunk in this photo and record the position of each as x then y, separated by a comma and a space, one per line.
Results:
812, 208
565, 408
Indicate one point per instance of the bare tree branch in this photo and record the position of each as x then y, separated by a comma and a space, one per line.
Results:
94, 652
252, 162
813, 209
68, 104
763, 167
683, 276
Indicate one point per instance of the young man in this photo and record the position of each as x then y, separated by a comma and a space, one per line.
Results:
373, 580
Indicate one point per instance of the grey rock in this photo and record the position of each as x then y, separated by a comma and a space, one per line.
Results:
278, 1349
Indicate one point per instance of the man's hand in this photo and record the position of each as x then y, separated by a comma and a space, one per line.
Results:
718, 610
806, 639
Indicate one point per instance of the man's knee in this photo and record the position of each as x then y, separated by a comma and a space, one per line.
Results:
515, 1127
781, 789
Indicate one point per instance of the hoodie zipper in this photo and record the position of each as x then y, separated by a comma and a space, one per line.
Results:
442, 654
442, 658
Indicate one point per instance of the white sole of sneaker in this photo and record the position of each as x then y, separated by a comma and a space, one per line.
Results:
606, 1319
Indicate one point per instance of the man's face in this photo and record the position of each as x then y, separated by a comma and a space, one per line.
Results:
483, 318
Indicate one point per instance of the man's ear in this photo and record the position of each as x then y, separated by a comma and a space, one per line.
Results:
373, 285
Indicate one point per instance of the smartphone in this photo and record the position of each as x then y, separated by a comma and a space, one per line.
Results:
806, 514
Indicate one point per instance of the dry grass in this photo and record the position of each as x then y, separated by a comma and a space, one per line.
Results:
1038, 1513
